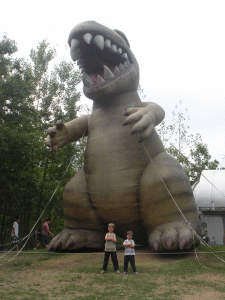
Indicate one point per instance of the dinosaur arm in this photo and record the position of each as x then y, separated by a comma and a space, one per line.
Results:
155, 108
145, 115
62, 134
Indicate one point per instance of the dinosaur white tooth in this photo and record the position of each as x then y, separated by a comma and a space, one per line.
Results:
116, 71
114, 48
99, 41
128, 62
83, 70
121, 67
74, 49
100, 80
74, 43
125, 64
107, 73
87, 81
124, 55
86, 76
108, 44
75, 53
119, 50
87, 37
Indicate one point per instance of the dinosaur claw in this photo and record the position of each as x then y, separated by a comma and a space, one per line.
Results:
58, 245
132, 132
156, 246
70, 243
51, 247
183, 244
169, 244
59, 125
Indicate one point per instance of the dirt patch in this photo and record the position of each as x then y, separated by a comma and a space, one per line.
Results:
204, 295
210, 277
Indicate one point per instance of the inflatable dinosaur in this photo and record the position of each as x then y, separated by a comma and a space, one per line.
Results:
127, 173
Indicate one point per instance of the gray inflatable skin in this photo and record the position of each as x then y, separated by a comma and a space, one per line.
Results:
119, 182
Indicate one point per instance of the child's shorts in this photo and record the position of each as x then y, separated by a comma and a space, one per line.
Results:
14, 240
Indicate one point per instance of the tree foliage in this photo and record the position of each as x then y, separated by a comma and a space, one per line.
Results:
187, 148
33, 97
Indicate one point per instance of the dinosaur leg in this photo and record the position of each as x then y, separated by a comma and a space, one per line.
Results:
167, 229
82, 224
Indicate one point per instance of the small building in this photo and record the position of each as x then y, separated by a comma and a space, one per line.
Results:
209, 195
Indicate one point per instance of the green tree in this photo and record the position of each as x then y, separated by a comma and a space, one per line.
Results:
16, 84
187, 148
202, 161
32, 98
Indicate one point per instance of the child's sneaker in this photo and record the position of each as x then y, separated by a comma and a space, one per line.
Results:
125, 273
136, 273
102, 272
118, 272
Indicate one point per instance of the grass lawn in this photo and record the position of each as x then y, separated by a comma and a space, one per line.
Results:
41, 275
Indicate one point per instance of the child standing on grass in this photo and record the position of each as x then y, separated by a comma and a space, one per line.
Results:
110, 249
129, 253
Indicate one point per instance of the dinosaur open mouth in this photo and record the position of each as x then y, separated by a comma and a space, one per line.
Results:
99, 59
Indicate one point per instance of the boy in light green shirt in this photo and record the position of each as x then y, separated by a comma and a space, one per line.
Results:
110, 249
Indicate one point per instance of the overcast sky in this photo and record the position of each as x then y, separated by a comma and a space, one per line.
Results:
180, 47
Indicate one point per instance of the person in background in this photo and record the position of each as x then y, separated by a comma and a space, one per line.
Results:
15, 233
44, 235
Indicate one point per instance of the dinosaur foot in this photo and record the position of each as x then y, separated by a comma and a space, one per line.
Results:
70, 239
176, 236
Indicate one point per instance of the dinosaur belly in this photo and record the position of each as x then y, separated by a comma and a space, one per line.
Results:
114, 162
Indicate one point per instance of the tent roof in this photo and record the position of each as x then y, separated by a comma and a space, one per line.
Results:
210, 193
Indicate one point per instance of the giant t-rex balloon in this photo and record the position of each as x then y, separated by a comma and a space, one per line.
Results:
125, 164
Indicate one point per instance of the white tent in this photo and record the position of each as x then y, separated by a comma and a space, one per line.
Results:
209, 195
